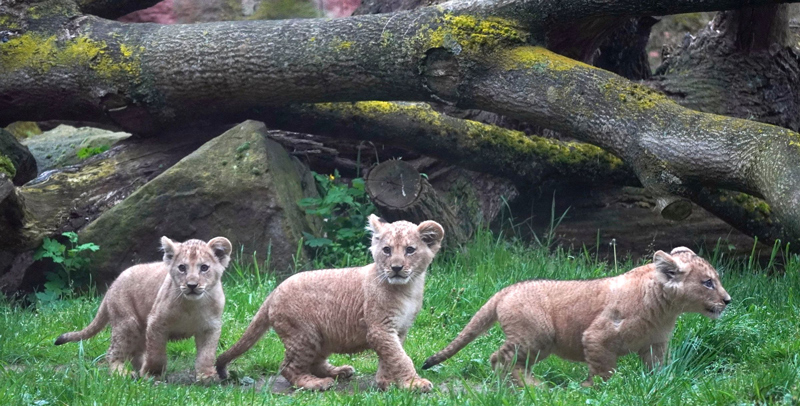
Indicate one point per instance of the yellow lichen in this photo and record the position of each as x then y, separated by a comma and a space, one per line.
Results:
342, 45
473, 34
641, 96
7, 23
554, 152
529, 57
40, 54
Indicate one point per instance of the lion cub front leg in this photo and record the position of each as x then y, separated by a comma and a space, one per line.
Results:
653, 355
601, 359
206, 343
155, 356
394, 365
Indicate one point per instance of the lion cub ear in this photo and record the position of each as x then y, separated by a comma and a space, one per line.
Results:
431, 234
222, 248
169, 247
375, 226
667, 265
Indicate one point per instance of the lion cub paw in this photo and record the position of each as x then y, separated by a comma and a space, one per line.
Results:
418, 384
207, 377
320, 384
344, 371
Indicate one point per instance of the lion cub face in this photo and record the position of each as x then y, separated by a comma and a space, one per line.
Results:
403, 250
196, 266
693, 281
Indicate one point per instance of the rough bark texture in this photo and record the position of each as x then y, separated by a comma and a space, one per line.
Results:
738, 66
400, 193
469, 54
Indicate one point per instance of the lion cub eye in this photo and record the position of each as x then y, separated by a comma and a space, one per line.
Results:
709, 284
387, 250
182, 268
410, 250
203, 268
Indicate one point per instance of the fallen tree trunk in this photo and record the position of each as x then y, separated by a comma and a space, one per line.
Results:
472, 55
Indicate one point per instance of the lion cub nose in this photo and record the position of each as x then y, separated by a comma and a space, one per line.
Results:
727, 300
397, 268
191, 286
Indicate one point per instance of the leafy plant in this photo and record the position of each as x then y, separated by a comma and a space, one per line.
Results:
344, 208
86, 152
70, 260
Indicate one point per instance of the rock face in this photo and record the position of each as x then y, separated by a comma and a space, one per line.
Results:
60, 146
16, 160
240, 185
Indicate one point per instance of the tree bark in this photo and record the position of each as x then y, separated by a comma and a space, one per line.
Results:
400, 193
739, 66
469, 54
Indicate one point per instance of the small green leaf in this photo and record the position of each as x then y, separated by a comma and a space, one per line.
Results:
318, 242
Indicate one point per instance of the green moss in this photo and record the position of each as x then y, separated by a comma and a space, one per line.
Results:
23, 129
40, 54
473, 34
641, 96
50, 8
244, 147
7, 167
753, 205
8, 23
343, 45
529, 57
552, 151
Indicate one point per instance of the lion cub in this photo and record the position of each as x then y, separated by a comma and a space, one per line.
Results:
318, 313
595, 321
177, 298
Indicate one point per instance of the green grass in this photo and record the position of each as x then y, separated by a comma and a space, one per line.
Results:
748, 356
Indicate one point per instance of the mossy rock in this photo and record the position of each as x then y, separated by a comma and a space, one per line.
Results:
16, 161
23, 129
60, 146
240, 185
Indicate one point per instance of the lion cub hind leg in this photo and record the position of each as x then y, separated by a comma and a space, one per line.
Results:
127, 344
303, 354
297, 369
518, 360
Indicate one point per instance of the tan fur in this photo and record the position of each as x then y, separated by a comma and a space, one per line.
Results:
174, 299
318, 313
595, 321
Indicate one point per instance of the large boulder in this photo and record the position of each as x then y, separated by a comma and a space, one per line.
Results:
240, 185
16, 161
66, 145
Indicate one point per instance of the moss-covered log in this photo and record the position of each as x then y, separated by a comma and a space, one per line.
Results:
61, 64
469, 144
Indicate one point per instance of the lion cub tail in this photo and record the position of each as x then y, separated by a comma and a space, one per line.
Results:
479, 324
252, 334
98, 324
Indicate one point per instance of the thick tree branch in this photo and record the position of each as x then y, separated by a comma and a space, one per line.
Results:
472, 54
469, 144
